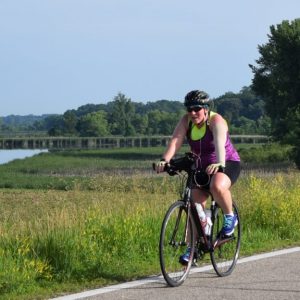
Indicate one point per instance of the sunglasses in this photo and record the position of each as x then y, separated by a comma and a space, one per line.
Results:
194, 108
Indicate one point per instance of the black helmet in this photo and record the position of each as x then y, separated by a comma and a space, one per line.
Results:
196, 98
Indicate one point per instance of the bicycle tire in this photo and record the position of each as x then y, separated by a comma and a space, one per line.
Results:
173, 243
226, 251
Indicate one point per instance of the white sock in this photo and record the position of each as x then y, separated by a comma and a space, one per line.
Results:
230, 215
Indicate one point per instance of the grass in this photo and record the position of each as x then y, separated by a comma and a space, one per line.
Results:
104, 228
77, 169
269, 210
75, 236
68, 170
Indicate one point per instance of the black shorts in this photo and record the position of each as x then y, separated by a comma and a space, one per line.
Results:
232, 170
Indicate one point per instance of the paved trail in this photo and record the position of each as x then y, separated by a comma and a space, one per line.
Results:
273, 276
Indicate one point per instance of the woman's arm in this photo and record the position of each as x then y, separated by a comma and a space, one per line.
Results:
219, 129
174, 144
177, 139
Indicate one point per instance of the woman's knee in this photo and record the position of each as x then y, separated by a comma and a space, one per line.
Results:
217, 189
220, 181
221, 186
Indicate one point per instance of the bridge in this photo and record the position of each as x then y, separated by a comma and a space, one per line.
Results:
104, 142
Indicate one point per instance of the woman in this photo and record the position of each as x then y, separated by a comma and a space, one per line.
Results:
207, 134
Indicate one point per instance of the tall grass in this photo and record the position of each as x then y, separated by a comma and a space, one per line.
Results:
66, 223
269, 208
68, 170
50, 240
50, 237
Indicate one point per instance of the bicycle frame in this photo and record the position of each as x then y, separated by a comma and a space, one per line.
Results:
191, 209
190, 205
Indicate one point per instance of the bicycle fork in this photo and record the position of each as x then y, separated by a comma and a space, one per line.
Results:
183, 241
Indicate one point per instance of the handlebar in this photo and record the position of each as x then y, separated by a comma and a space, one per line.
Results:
167, 168
184, 163
178, 164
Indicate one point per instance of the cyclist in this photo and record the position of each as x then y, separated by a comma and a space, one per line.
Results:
208, 137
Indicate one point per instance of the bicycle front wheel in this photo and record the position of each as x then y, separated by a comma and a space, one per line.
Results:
176, 235
225, 251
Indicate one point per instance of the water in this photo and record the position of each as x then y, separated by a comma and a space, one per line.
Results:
9, 155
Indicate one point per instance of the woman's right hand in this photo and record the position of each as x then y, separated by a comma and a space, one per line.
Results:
160, 166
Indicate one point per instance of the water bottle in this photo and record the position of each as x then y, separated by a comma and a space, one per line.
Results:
205, 222
209, 222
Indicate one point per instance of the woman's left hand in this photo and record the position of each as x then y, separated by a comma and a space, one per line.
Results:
214, 168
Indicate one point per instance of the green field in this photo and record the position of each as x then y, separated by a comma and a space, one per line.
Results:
77, 169
83, 219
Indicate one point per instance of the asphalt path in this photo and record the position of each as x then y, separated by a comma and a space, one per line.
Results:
274, 275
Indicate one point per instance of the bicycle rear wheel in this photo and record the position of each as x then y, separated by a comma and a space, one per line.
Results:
225, 250
176, 235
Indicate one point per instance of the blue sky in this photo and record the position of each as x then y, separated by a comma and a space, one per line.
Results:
57, 55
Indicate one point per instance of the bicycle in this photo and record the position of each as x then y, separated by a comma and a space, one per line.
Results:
181, 222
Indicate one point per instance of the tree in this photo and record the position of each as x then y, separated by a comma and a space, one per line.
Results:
94, 124
161, 122
70, 122
168, 122
54, 125
228, 106
89, 108
140, 123
154, 118
121, 116
252, 106
277, 80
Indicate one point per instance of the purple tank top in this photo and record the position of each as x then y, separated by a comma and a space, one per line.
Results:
205, 148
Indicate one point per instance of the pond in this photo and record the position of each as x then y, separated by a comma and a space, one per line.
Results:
9, 155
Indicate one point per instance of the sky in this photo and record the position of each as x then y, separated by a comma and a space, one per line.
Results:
57, 55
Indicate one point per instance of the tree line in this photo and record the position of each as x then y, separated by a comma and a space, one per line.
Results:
243, 111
